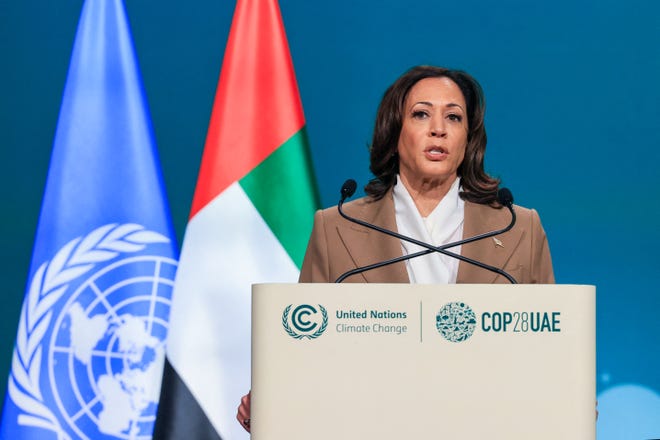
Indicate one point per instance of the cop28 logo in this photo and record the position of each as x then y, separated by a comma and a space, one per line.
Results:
456, 321
305, 320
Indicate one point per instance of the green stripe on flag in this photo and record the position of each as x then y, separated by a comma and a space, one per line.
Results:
283, 190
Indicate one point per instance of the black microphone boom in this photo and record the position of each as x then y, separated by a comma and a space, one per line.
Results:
504, 197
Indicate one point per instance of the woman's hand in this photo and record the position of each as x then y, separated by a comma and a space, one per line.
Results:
243, 415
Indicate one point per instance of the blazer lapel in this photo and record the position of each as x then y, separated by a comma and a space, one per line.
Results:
478, 220
366, 246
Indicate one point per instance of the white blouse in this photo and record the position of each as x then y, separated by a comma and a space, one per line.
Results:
443, 225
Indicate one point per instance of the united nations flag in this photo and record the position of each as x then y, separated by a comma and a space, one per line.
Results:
91, 339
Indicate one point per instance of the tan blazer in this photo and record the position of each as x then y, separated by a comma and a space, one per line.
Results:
337, 245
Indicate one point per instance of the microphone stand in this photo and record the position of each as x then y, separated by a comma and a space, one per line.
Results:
504, 195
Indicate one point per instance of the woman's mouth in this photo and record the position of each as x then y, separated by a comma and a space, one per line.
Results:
436, 153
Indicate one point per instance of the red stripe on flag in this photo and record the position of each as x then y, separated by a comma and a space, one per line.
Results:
257, 104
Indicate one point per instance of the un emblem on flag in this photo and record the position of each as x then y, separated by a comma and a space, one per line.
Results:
103, 347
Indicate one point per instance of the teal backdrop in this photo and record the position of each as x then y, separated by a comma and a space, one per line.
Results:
572, 116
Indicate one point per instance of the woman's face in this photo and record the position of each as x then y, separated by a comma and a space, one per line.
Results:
434, 132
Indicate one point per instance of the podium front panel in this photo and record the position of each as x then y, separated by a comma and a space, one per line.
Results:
386, 361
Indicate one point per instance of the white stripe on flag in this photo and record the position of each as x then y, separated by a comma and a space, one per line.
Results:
227, 248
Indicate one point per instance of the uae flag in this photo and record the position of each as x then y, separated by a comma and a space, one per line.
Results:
250, 221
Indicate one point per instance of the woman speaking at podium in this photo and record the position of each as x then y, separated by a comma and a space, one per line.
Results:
427, 157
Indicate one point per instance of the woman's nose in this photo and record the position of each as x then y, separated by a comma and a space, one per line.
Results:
438, 130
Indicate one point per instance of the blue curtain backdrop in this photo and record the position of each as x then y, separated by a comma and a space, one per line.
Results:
572, 116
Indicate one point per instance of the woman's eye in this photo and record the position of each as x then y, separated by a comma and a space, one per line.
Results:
419, 114
454, 117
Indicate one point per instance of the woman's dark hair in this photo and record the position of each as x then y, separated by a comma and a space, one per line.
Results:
478, 187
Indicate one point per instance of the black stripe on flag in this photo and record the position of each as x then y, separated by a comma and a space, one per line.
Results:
179, 415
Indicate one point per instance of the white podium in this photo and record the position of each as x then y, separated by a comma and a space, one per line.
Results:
388, 361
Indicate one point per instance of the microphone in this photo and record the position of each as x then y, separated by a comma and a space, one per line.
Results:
348, 189
504, 197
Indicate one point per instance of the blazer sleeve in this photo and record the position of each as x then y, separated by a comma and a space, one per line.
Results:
315, 267
541, 264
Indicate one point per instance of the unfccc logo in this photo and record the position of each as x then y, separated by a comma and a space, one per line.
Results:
306, 321
456, 321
